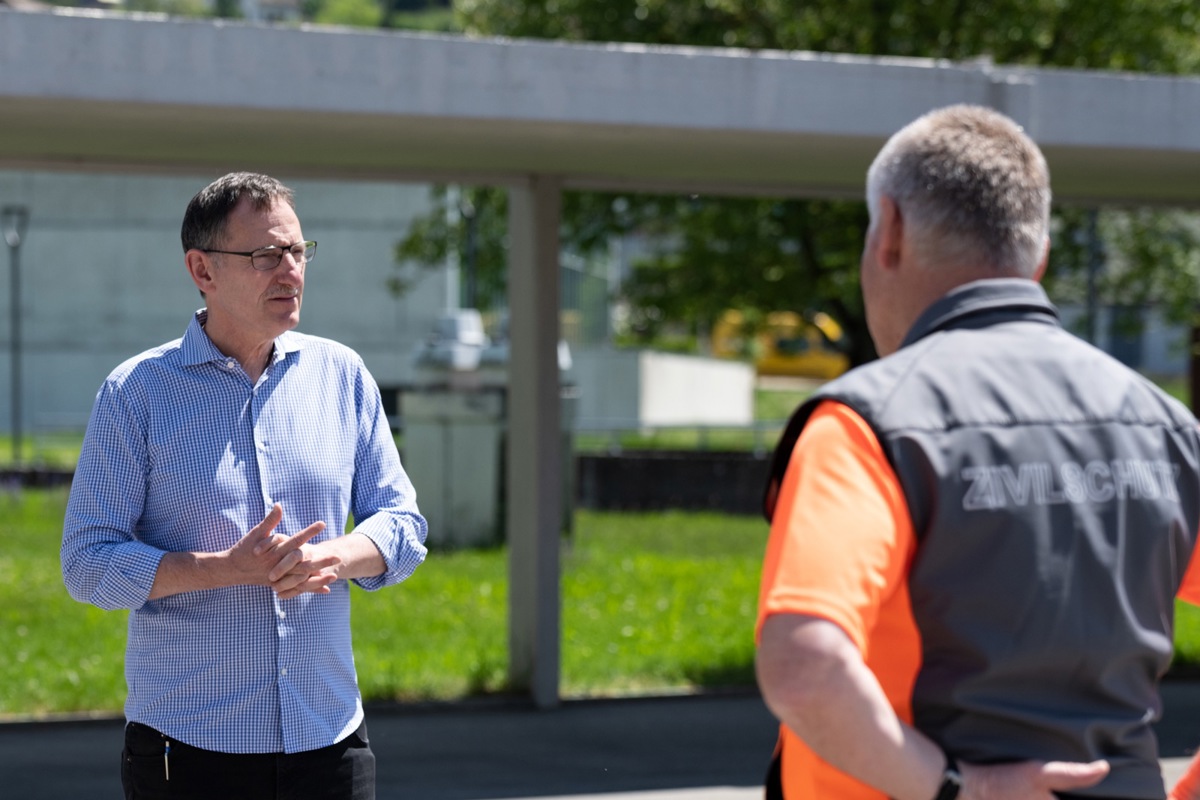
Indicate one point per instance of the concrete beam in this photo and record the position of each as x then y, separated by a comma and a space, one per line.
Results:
112, 92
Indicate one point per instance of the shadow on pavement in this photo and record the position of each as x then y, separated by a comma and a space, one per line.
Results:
503, 749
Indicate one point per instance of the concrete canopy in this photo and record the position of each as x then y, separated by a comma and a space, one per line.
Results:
90, 92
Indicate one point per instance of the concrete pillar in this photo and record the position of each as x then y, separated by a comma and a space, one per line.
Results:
534, 501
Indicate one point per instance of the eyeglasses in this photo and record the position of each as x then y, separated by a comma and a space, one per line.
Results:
265, 259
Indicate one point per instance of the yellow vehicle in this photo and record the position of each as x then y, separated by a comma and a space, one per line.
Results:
787, 344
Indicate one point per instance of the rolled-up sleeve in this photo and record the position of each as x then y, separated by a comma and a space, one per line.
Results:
102, 562
383, 500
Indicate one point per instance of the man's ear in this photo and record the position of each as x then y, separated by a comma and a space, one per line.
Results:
200, 267
889, 239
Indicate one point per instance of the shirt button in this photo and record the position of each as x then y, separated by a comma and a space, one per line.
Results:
283, 672
229, 364
283, 615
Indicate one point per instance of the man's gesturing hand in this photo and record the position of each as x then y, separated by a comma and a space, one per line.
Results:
296, 567
316, 568
262, 556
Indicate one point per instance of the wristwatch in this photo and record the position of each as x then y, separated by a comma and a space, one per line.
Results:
951, 781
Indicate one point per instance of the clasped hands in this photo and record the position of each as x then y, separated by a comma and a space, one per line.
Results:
288, 564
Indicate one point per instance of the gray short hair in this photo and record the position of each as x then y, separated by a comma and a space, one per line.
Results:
971, 185
206, 215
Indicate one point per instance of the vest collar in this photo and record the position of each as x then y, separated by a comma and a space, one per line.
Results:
1016, 297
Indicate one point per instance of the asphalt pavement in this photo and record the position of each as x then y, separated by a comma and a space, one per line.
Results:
700, 747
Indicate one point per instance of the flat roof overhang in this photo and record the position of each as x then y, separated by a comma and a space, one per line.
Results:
101, 92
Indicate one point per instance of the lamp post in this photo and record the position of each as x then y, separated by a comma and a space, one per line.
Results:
466, 210
14, 220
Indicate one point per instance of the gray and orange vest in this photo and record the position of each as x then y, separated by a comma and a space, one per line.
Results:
1055, 496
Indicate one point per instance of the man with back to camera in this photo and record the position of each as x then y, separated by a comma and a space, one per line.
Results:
210, 498
976, 541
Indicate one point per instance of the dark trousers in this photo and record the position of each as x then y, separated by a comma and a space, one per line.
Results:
343, 771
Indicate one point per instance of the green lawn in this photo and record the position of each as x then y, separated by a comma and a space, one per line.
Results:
44, 450
58, 655
651, 602
641, 611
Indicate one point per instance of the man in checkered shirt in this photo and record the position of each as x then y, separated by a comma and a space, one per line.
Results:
215, 482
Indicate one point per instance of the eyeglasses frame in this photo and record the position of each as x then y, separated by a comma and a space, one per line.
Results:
309, 244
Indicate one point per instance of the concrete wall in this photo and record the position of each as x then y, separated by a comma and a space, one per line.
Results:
1164, 348
103, 279
632, 388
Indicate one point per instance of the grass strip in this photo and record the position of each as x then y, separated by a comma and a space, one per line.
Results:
651, 602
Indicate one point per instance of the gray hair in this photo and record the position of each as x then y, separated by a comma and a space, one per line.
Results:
206, 216
971, 185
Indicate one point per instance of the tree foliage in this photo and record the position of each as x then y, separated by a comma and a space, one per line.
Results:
429, 15
355, 13
751, 254
1140, 35
763, 254
470, 226
1148, 257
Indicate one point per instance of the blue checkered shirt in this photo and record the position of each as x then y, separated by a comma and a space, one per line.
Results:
183, 453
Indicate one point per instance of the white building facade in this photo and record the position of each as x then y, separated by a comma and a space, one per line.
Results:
102, 279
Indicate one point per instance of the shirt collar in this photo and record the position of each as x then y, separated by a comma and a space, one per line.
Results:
197, 348
1011, 295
